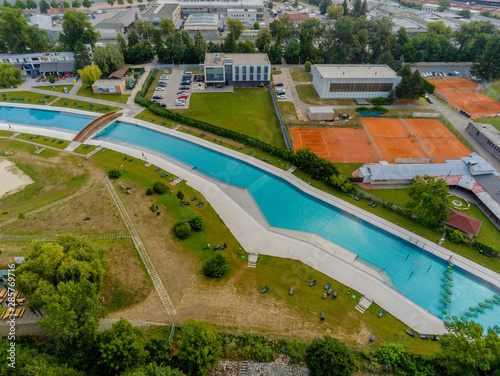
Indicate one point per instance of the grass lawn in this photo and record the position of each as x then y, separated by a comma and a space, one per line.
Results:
493, 91
6, 133
461, 249
57, 89
148, 116
249, 111
300, 75
288, 112
348, 168
46, 141
86, 91
81, 149
84, 106
307, 95
26, 97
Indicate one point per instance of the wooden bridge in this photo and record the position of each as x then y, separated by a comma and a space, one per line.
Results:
96, 125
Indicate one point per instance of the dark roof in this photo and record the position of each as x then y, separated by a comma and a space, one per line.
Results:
464, 222
119, 73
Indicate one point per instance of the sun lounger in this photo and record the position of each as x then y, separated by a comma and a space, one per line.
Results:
322, 318
264, 290
125, 158
382, 313
327, 286
375, 204
292, 289
312, 283
371, 203
372, 338
131, 160
334, 296
216, 247
435, 338
201, 205
357, 198
224, 246
194, 198
410, 333
329, 291
425, 336
158, 169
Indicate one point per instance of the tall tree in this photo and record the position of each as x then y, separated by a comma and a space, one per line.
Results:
200, 348
356, 9
199, 47
109, 58
229, 44
488, 65
86, 3
275, 53
76, 4
329, 357
468, 351
292, 52
334, 12
144, 29
25, 38
364, 8
77, 29
54, 4
429, 198
235, 27
64, 280
82, 56
43, 6
443, 5
20, 4
263, 39
121, 347
178, 46
167, 27
323, 5
9, 75
31, 4
346, 8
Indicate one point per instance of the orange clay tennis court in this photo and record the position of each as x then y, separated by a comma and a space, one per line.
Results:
462, 94
335, 144
382, 139
437, 140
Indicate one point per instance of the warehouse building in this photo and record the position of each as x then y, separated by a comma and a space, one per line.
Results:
158, 11
37, 63
354, 81
237, 69
246, 16
218, 6
487, 136
118, 24
206, 23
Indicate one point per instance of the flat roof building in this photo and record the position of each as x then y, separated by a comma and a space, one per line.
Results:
158, 11
108, 87
487, 135
44, 22
354, 81
246, 16
321, 113
218, 6
237, 69
118, 24
46, 62
206, 23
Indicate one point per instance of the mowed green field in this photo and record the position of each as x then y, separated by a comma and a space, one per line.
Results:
249, 111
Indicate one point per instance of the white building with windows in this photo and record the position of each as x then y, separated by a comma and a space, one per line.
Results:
354, 81
218, 6
237, 69
246, 16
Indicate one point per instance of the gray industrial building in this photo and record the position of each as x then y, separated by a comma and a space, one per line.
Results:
354, 81
487, 135
158, 11
322, 113
237, 69
46, 62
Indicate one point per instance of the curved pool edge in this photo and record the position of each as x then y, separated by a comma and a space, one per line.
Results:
271, 243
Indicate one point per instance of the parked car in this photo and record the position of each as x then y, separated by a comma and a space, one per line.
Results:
182, 96
219, 86
159, 88
430, 100
184, 88
182, 92
157, 97
178, 104
188, 73
278, 84
163, 77
281, 96
163, 105
186, 83
162, 84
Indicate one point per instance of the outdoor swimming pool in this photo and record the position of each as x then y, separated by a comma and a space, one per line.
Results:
416, 274
420, 276
45, 118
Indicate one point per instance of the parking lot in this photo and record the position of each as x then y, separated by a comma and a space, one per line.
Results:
169, 94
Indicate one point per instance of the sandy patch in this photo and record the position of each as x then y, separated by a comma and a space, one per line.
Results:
12, 179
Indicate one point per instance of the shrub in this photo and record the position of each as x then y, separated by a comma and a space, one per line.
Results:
197, 222
160, 187
380, 109
307, 66
182, 229
52, 79
262, 352
329, 357
180, 195
296, 351
114, 173
150, 191
456, 236
380, 101
216, 266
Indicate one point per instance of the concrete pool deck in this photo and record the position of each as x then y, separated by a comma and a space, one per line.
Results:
318, 253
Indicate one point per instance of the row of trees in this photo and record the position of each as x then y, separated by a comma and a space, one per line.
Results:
44, 6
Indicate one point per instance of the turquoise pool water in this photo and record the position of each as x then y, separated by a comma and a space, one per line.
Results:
45, 118
415, 273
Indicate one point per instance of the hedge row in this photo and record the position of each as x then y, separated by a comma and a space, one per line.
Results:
485, 249
383, 110
380, 101
428, 87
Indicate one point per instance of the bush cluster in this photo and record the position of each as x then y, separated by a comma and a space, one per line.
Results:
216, 266
380, 109
380, 101
428, 87
182, 229
197, 223
114, 173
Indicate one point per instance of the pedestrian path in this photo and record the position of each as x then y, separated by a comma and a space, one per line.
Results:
53, 204
139, 245
53, 238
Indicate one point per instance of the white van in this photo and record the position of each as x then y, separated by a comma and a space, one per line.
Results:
188, 73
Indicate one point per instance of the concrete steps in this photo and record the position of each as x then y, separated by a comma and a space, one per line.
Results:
252, 260
363, 304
